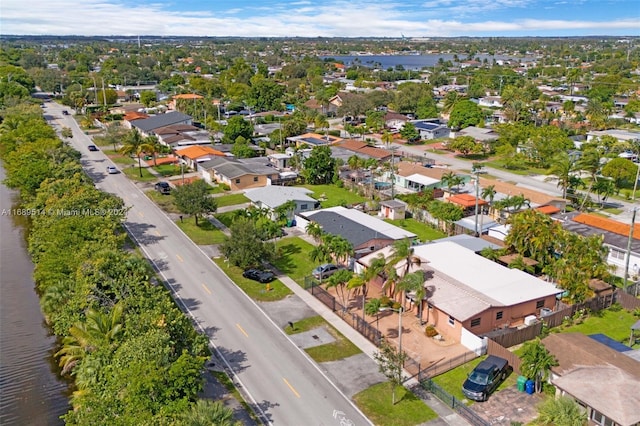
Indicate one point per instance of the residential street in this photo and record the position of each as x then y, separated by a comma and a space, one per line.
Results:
283, 384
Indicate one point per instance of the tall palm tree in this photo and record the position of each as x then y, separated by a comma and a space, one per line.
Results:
387, 137
339, 280
490, 193
155, 145
354, 162
314, 230
561, 411
562, 168
321, 122
414, 282
590, 162
133, 143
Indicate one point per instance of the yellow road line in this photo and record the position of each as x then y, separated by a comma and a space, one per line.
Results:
179, 258
207, 290
291, 387
241, 329
140, 214
157, 233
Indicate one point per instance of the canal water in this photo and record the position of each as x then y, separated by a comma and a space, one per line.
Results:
31, 391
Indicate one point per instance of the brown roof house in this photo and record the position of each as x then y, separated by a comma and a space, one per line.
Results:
239, 173
604, 378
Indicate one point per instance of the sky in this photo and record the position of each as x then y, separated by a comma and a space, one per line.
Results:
321, 18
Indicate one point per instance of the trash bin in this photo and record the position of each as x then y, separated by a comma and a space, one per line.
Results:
521, 383
530, 387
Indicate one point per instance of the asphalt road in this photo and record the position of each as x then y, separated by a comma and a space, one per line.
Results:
280, 381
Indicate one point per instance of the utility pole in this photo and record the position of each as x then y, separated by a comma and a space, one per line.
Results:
628, 255
476, 170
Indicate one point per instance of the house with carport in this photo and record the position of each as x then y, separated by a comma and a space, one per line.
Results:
192, 156
600, 374
147, 126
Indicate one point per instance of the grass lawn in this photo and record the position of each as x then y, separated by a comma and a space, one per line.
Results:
293, 259
168, 169
202, 234
164, 201
498, 164
120, 159
341, 348
133, 173
615, 324
452, 380
333, 196
254, 289
231, 200
422, 230
409, 410
226, 218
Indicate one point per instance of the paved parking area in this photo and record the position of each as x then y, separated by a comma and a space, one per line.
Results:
353, 374
509, 405
315, 337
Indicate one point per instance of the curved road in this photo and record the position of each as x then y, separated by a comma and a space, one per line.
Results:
284, 386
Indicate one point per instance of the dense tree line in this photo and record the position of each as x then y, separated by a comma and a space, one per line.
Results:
135, 357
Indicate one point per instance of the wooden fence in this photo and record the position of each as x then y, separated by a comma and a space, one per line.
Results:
627, 301
494, 348
514, 336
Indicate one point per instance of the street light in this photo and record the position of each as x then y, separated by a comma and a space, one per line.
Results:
477, 170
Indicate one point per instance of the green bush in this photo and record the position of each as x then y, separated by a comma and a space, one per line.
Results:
385, 301
396, 305
431, 331
224, 187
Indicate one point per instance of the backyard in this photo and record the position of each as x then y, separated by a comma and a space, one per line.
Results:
293, 258
423, 231
332, 195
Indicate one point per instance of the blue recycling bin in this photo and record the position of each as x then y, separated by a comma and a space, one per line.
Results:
530, 387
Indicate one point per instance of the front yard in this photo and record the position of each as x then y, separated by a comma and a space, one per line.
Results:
231, 200
409, 410
275, 290
341, 348
293, 258
204, 233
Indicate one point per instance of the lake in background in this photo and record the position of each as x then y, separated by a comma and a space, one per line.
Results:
31, 392
410, 62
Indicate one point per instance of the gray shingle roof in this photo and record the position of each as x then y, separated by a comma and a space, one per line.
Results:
233, 167
160, 120
354, 232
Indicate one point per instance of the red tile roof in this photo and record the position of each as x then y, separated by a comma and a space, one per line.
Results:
197, 151
607, 225
548, 209
465, 200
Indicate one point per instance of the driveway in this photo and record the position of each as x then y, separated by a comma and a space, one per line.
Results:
509, 406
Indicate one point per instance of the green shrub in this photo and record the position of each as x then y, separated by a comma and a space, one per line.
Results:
431, 331
396, 305
385, 301
224, 187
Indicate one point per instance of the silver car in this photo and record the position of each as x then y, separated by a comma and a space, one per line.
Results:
324, 271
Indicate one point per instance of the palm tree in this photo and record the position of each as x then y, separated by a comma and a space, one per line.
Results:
536, 362
490, 193
414, 282
372, 307
561, 411
321, 122
155, 145
339, 280
208, 413
354, 162
590, 163
387, 137
562, 167
448, 179
320, 253
314, 230
133, 143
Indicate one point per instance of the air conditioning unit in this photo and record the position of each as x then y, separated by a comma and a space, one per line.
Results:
545, 312
530, 320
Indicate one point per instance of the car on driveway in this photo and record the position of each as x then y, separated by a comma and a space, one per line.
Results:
259, 275
324, 271
92, 148
163, 187
485, 378
112, 170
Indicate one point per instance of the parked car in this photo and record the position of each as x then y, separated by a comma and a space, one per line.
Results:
324, 271
485, 378
65, 112
163, 187
259, 275
112, 170
92, 148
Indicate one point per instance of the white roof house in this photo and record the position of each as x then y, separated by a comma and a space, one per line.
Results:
272, 197
496, 284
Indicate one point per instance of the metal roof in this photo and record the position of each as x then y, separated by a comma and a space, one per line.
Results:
275, 196
160, 120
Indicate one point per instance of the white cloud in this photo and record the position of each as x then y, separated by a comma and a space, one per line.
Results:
298, 18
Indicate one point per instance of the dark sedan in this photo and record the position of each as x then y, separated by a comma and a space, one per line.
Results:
258, 275
92, 148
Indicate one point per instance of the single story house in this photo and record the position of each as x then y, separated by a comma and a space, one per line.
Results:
615, 237
147, 126
312, 140
480, 134
395, 120
196, 154
416, 177
429, 130
604, 378
239, 173
272, 197
619, 134
179, 135
364, 150
466, 291
366, 233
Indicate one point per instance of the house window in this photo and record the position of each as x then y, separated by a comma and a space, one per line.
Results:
237, 180
255, 178
616, 254
499, 315
452, 320
303, 207
540, 304
475, 322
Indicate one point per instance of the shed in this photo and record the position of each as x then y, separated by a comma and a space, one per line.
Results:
393, 209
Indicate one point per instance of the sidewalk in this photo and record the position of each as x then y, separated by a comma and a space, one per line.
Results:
447, 416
